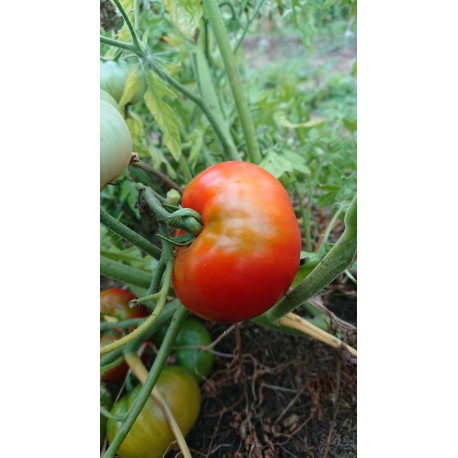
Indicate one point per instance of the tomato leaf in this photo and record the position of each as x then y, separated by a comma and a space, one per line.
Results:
275, 164
163, 113
184, 15
132, 86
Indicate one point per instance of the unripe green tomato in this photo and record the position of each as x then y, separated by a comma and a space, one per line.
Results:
113, 76
115, 144
150, 435
199, 362
108, 98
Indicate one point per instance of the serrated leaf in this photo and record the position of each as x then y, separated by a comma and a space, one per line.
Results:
185, 15
132, 85
281, 120
275, 164
163, 113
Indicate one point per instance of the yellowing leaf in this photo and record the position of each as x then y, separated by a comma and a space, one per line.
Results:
133, 85
185, 15
163, 113
135, 125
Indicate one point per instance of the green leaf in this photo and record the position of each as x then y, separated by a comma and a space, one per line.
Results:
184, 15
163, 113
275, 164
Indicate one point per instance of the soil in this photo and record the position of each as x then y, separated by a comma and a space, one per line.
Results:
277, 395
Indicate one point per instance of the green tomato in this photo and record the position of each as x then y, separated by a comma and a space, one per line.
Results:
150, 435
199, 362
113, 77
108, 98
115, 143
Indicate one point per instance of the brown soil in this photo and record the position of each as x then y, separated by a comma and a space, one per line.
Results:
276, 395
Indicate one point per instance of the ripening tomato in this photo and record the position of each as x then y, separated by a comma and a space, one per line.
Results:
114, 305
248, 253
119, 372
150, 435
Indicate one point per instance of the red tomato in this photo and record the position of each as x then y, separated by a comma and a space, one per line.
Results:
114, 305
248, 253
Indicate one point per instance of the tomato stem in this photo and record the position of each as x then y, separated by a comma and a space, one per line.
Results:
162, 298
106, 413
330, 267
121, 45
216, 22
150, 381
109, 366
128, 234
187, 223
122, 272
163, 318
219, 130
128, 23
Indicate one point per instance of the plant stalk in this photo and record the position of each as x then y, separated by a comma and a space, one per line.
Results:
331, 266
128, 234
222, 39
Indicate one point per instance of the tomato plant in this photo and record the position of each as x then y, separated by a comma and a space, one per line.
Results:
248, 253
150, 435
115, 143
114, 305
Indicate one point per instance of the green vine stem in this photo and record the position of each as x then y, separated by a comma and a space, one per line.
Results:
108, 414
164, 317
222, 39
214, 122
128, 234
128, 23
162, 176
187, 223
121, 45
161, 300
122, 272
124, 324
148, 386
108, 366
332, 265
